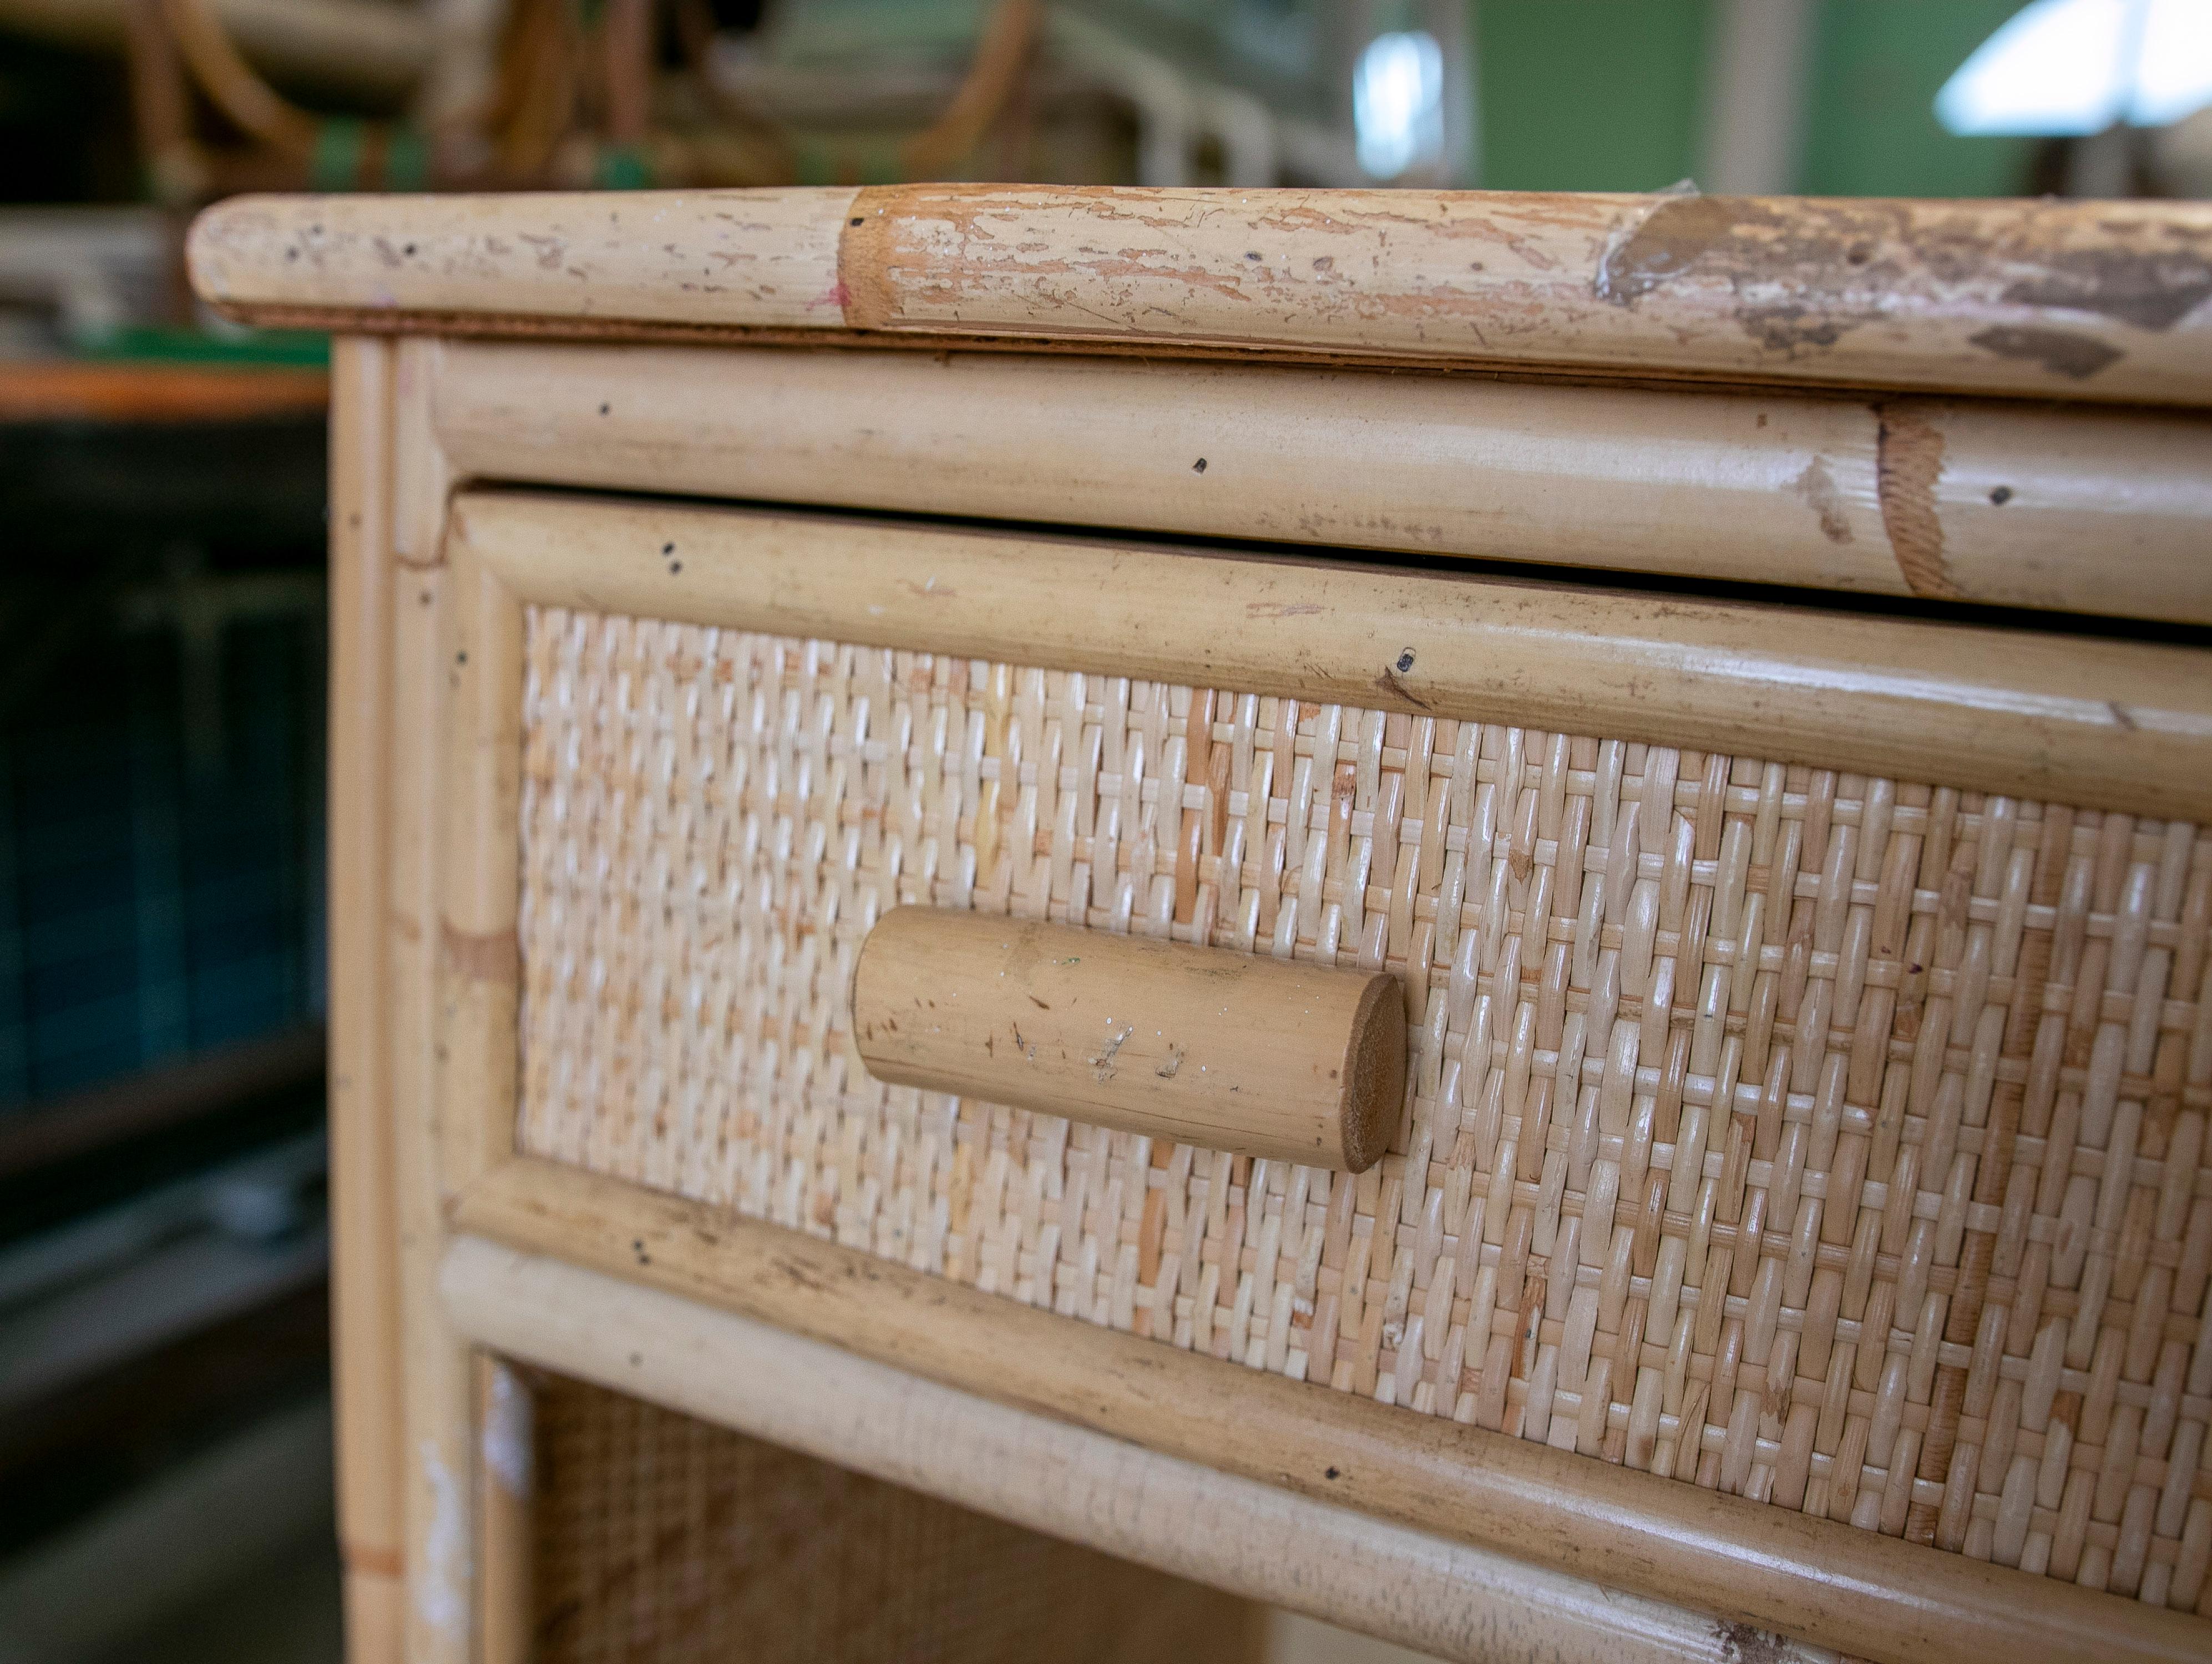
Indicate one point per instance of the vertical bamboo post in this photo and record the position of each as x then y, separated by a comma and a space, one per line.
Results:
364, 1290
506, 1410
479, 984
479, 880
439, 1388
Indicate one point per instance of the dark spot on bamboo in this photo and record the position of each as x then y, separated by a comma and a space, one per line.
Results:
2063, 352
1741, 1644
2151, 288
1388, 684
2001, 496
1795, 282
1818, 486
1199, 467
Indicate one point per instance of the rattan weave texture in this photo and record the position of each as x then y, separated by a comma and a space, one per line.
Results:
664, 1540
1831, 1140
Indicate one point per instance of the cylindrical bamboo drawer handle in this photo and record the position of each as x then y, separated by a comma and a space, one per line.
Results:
1257, 1056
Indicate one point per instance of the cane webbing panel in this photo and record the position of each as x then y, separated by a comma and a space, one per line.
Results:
1831, 1140
665, 1540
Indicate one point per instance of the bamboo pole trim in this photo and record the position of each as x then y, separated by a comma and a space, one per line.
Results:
1863, 1594
1254, 1539
2126, 726
2065, 300
366, 1321
2015, 505
439, 1619
671, 1538
765, 257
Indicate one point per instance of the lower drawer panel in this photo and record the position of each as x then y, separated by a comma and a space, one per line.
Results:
1828, 1139
662, 1538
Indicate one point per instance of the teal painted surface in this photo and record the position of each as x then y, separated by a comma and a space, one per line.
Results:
1873, 132
292, 349
1588, 94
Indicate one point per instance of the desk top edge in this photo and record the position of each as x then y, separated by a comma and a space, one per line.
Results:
2044, 299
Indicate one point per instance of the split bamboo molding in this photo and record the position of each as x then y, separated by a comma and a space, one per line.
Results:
1257, 1056
2121, 725
2095, 511
2072, 300
1258, 1540
1818, 1580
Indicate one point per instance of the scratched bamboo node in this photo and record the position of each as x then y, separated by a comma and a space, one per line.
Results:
1828, 1139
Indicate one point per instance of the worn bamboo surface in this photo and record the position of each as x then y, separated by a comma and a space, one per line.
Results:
480, 653
375, 1605
438, 1382
1859, 1593
1261, 1056
506, 1526
1828, 1139
2092, 511
364, 1292
1254, 1540
666, 1538
2055, 299
2123, 725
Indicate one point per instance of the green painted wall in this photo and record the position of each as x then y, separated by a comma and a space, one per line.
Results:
1587, 95
1876, 67
1606, 95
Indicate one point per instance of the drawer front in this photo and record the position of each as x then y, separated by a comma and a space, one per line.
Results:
1827, 1138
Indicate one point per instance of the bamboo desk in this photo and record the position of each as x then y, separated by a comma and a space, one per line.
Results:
1732, 673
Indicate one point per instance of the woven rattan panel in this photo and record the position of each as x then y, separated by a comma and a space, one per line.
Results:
1835, 1141
664, 1540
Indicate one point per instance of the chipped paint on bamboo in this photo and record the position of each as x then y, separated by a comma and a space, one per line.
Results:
2053, 299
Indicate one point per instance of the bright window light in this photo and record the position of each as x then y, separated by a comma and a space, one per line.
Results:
2173, 76
2066, 68
1398, 103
